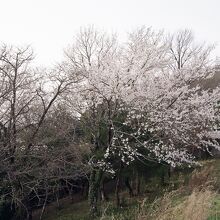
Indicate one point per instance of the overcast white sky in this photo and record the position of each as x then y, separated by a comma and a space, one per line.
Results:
49, 25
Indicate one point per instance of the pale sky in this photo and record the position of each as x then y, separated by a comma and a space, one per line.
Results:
49, 25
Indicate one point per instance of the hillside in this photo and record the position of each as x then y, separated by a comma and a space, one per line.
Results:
192, 195
214, 81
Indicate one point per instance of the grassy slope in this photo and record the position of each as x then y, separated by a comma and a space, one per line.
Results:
170, 204
215, 208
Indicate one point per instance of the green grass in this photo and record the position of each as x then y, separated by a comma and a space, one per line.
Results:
215, 209
76, 211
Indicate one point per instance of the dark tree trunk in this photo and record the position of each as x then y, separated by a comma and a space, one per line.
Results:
84, 191
94, 185
29, 209
162, 178
92, 194
170, 171
102, 192
117, 188
57, 200
45, 202
29, 215
128, 185
138, 184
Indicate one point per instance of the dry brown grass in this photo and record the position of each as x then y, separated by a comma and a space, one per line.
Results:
197, 205
191, 202
193, 207
201, 179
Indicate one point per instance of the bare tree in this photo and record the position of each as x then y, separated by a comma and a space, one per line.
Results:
27, 97
185, 52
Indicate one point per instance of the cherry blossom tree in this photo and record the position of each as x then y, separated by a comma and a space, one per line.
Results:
145, 94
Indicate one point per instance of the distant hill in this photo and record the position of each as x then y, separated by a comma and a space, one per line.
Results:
214, 81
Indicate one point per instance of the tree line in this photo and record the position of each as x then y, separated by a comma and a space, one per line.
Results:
107, 107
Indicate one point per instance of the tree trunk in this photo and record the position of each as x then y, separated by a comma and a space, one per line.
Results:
162, 177
45, 203
94, 185
128, 185
29, 215
117, 188
57, 200
103, 193
29, 210
138, 184
85, 188
170, 171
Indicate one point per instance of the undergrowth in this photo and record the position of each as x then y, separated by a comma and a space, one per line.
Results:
192, 196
